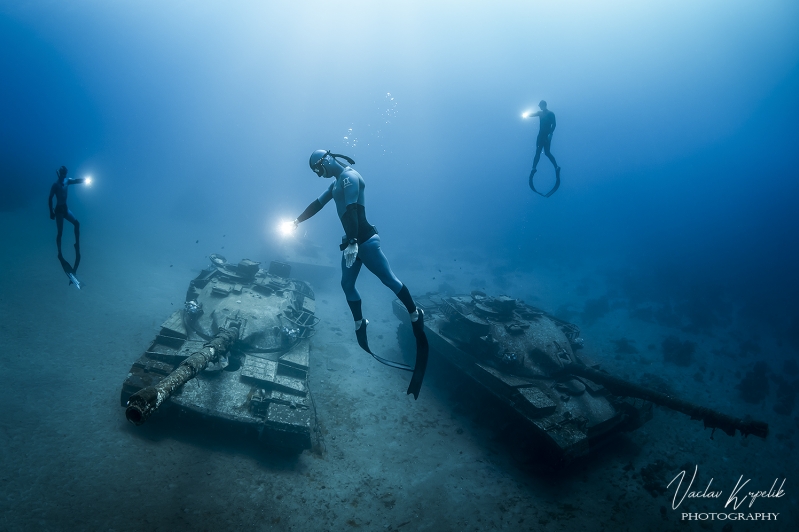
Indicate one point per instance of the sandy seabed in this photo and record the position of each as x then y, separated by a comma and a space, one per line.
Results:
448, 461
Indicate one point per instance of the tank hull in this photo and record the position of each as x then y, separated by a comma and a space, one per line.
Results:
569, 416
263, 387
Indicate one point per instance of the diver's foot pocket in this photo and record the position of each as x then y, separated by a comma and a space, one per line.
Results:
360, 334
422, 350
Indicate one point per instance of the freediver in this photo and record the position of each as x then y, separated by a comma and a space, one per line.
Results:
361, 246
61, 213
547, 126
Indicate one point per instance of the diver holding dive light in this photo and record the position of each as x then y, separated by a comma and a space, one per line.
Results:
61, 213
361, 246
547, 126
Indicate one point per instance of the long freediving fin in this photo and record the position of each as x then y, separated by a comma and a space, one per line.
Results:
73, 280
360, 334
554, 188
422, 350
77, 258
69, 271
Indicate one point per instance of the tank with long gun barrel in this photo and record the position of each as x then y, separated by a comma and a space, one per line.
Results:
529, 360
147, 400
236, 354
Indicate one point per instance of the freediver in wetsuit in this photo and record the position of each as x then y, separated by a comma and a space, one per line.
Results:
547, 126
361, 246
61, 213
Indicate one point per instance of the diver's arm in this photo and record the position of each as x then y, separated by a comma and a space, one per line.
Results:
315, 206
50, 202
554, 125
77, 181
312, 209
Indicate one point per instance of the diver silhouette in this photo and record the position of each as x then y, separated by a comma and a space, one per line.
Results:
361, 246
61, 212
543, 142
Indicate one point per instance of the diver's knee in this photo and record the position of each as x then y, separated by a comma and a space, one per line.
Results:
395, 285
347, 285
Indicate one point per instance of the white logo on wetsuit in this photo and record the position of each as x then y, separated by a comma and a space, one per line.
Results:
346, 182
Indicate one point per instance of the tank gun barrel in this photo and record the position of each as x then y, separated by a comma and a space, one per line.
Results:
710, 417
147, 400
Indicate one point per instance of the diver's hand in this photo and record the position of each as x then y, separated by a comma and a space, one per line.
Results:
296, 223
52, 215
350, 254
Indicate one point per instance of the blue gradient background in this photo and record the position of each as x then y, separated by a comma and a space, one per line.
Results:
676, 126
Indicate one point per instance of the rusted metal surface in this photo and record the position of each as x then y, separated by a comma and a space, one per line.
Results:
237, 354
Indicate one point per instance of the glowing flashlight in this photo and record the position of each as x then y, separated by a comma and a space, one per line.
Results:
88, 180
286, 228
526, 114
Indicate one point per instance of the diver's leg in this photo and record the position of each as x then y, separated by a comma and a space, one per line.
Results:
59, 223
538, 148
76, 224
377, 263
348, 278
375, 260
549, 155
74, 221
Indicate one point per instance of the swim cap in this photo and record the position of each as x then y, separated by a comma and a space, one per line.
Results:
542, 103
315, 162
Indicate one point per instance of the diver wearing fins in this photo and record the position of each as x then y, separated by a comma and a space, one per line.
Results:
361, 246
59, 214
547, 126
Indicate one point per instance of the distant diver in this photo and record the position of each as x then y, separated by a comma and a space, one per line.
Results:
361, 246
546, 129
61, 213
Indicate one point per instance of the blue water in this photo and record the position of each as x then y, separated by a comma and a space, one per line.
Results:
676, 136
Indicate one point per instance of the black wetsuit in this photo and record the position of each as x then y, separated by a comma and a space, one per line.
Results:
544, 139
62, 212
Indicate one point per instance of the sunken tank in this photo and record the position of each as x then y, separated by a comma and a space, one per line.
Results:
237, 354
529, 360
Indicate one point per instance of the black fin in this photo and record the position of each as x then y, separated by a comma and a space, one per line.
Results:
554, 189
422, 350
65, 265
557, 182
77, 259
69, 271
360, 334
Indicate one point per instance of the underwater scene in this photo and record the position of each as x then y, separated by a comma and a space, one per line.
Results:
399, 266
